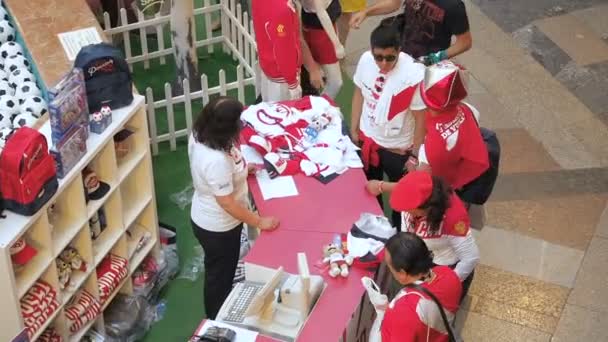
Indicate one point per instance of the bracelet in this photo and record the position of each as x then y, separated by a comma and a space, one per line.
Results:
380, 186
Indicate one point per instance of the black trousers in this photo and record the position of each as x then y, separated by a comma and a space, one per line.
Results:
393, 165
221, 257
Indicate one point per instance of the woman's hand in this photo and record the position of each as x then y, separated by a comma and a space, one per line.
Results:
357, 19
373, 187
253, 168
268, 223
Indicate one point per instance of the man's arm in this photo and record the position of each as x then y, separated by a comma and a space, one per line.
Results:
313, 68
328, 27
355, 114
379, 8
419, 129
462, 44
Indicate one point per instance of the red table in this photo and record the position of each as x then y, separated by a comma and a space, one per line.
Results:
309, 221
340, 298
319, 207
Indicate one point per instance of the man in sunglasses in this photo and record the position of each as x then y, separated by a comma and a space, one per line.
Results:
387, 118
426, 27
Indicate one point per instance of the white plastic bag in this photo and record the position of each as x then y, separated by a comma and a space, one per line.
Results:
380, 303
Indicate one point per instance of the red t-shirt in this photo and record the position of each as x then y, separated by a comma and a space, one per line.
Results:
412, 315
277, 35
454, 147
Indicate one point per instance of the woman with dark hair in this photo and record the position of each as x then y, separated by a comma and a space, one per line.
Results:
431, 210
412, 315
220, 199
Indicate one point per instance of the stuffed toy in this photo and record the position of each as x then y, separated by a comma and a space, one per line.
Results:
71, 257
64, 272
337, 259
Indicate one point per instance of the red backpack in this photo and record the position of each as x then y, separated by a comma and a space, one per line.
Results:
27, 172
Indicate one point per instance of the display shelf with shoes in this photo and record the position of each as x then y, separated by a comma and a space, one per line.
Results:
95, 230
75, 264
136, 191
99, 179
30, 255
106, 227
83, 309
67, 215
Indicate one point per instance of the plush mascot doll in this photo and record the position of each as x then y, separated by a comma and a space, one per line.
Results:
338, 261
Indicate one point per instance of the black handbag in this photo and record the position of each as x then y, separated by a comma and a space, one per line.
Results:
478, 191
452, 334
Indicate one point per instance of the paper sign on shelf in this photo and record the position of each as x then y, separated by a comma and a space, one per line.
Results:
73, 41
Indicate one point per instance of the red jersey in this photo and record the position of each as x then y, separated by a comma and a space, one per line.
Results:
454, 147
455, 223
412, 316
277, 35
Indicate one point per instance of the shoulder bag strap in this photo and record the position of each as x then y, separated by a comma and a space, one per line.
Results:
448, 326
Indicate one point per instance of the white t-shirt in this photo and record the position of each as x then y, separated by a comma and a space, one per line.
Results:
215, 173
399, 131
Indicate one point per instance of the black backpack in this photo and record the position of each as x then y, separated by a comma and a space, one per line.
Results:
107, 76
479, 190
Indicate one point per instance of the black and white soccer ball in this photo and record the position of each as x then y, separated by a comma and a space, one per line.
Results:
35, 105
5, 134
5, 121
27, 89
3, 75
7, 31
6, 88
24, 119
16, 62
3, 14
10, 49
20, 76
9, 105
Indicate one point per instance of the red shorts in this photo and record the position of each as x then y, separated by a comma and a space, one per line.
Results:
321, 47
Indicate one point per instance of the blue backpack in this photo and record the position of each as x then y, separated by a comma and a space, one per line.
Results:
107, 76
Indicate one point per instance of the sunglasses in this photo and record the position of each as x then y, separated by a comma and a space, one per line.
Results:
388, 58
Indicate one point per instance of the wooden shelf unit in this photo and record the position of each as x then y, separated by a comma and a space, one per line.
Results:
129, 202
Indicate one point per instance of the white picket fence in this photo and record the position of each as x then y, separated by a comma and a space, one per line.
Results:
236, 39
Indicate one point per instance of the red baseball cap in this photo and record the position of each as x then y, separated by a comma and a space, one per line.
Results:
412, 191
22, 252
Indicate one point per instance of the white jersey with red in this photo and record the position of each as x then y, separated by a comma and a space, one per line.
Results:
287, 128
453, 243
412, 316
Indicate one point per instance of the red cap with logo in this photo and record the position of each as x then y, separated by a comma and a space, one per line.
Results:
412, 191
22, 252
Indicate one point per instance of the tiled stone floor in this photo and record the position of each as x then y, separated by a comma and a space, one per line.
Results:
539, 75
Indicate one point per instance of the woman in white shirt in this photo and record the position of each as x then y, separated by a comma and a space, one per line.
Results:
220, 199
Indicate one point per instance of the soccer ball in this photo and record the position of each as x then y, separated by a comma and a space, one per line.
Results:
35, 105
20, 76
13, 63
6, 89
3, 75
27, 89
10, 49
3, 14
24, 119
5, 121
9, 106
5, 134
7, 31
